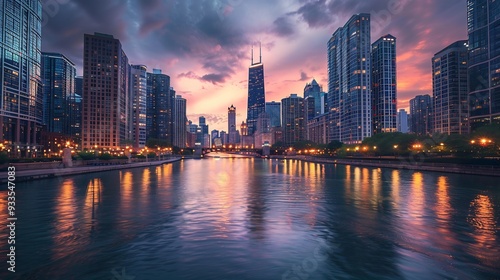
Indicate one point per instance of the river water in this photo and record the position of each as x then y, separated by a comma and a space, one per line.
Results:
256, 219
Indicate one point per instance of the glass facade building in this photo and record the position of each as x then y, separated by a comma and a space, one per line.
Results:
160, 100
384, 96
179, 113
314, 90
483, 24
256, 94
21, 108
106, 105
421, 113
274, 110
449, 84
349, 81
138, 94
58, 80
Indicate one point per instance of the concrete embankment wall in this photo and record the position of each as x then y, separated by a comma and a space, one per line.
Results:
489, 170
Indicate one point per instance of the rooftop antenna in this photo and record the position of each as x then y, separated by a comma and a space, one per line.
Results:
252, 54
260, 52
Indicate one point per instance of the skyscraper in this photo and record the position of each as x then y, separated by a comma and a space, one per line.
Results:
294, 123
421, 114
315, 91
256, 93
58, 79
138, 94
105, 95
159, 117
483, 21
21, 110
349, 81
274, 110
231, 124
384, 98
75, 110
449, 83
179, 125
402, 121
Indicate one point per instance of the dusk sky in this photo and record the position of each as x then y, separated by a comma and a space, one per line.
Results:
204, 45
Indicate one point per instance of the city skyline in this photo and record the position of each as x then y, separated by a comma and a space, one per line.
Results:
214, 65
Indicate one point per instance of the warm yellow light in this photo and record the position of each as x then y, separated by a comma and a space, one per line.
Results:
395, 146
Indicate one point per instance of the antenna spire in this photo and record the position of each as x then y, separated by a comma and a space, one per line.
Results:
260, 52
252, 54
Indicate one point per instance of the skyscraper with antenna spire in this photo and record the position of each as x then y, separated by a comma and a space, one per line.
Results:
256, 92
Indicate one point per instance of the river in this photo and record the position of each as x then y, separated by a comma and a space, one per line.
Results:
244, 218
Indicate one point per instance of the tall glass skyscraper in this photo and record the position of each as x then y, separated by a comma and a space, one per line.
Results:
160, 101
274, 110
349, 81
138, 94
21, 109
105, 93
483, 22
384, 98
449, 83
179, 126
58, 79
256, 93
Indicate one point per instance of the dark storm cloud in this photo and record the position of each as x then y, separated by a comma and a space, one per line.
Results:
283, 27
210, 78
316, 14
202, 30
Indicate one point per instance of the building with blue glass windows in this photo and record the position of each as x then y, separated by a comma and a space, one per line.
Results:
384, 96
349, 81
483, 25
138, 94
449, 87
256, 93
21, 109
58, 79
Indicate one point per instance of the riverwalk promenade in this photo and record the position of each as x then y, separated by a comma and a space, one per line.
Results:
27, 175
485, 170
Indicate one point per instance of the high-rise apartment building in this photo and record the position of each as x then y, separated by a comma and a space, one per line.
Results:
483, 25
21, 109
256, 93
58, 80
106, 104
293, 116
384, 98
449, 84
138, 95
179, 126
421, 113
349, 81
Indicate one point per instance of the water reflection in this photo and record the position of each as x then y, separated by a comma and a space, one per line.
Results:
231, 218
482, 218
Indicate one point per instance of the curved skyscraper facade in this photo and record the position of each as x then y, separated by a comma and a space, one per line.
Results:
21, 110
